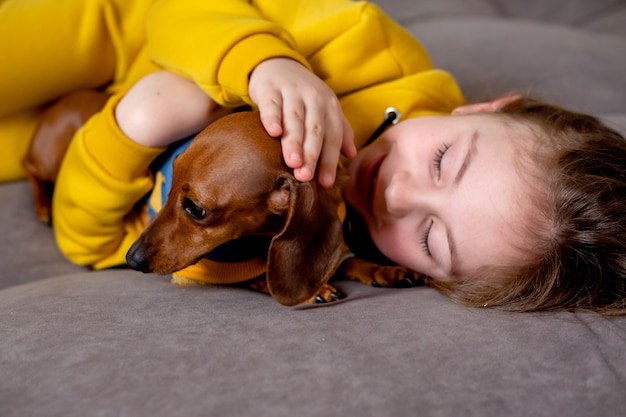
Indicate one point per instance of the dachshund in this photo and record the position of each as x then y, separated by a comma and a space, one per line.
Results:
58, 123
230, 183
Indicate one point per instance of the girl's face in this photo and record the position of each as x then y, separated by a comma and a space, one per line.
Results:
441, 195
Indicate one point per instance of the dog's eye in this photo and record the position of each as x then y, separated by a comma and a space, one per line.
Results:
196, 212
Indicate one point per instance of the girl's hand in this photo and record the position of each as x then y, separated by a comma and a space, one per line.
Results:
295, 104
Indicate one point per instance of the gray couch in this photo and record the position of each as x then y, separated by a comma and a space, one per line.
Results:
118, 343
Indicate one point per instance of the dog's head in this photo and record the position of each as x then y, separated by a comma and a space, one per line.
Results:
232, 182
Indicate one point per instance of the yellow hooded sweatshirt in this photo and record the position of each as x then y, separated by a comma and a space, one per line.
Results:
368, 60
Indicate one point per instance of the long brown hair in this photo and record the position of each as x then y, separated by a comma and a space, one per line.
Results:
579, 264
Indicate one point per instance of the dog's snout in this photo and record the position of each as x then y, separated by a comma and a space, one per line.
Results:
136, 258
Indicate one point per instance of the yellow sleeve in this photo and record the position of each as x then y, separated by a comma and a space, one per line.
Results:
370, 61
350, 45
101, 179
217, 43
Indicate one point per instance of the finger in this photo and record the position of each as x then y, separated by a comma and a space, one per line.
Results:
270, 110
348, 148
327, 167
313, 143
329, 156
293, 134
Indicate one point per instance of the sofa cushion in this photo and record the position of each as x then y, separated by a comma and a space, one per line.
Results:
29, 252
115, 343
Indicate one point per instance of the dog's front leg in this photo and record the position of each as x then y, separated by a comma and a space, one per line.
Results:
325, 294
376, 275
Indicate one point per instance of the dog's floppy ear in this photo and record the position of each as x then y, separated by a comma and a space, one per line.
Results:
304, 255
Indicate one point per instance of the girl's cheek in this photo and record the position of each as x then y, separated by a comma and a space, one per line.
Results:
396, 246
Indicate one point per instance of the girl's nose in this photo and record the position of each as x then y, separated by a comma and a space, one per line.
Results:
401, 197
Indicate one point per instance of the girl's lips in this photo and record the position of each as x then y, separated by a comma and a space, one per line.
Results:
369, 177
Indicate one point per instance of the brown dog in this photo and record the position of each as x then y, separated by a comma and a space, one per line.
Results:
58, 124
232, 182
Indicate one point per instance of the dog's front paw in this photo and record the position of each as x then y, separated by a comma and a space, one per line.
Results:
411, 279
326, 294
379, 275
394, 276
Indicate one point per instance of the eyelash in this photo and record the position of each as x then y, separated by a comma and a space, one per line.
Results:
424, 239
439, 156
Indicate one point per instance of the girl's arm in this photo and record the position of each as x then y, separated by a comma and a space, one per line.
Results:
106, 169
353, 47
255, 60
101, 179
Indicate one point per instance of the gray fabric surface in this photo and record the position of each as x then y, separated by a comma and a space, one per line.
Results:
28, 251
123, 344
118, 343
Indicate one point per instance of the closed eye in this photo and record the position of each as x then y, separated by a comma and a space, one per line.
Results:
424, 239
193, 210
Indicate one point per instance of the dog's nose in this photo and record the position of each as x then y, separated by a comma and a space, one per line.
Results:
136, 259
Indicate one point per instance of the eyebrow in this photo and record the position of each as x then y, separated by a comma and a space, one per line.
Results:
468, 158
459, 176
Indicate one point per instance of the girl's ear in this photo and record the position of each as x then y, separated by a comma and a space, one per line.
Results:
486, 107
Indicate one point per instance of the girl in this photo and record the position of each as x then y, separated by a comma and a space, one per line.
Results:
476, 197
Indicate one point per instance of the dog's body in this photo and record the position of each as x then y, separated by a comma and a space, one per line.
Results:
59, 123
232, 183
